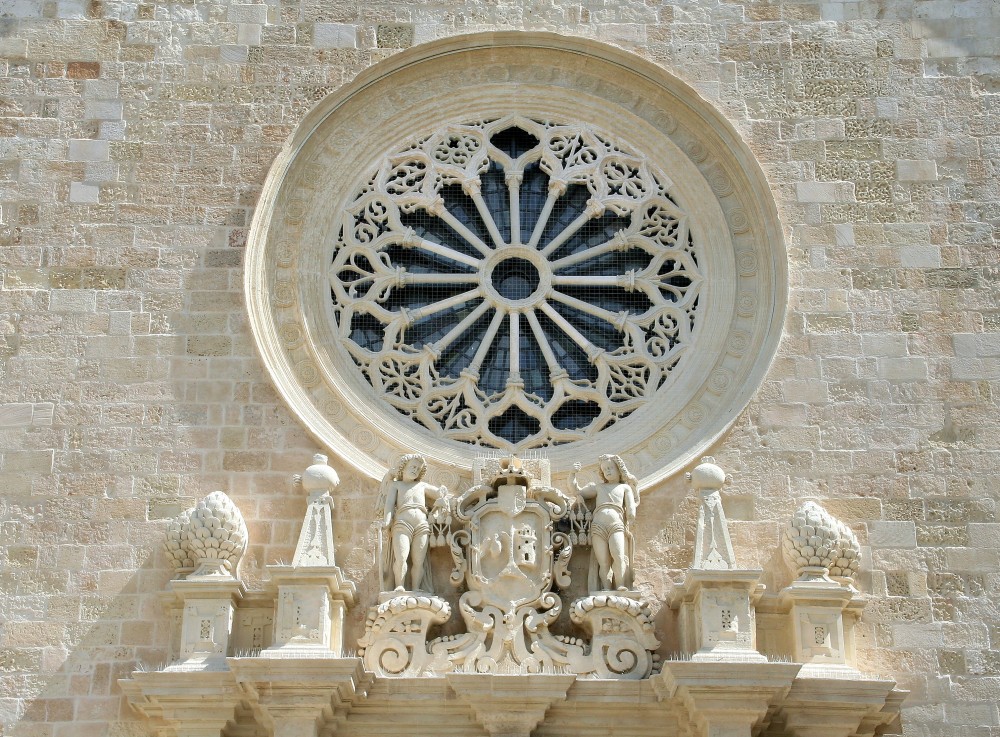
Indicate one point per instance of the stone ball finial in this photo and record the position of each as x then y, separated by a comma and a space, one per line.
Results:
707, 476
817, 545
217, 536
176, 545
320, 476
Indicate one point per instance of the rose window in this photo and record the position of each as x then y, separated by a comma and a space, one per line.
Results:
515, 283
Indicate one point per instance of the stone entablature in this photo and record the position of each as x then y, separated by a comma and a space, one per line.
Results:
511, 537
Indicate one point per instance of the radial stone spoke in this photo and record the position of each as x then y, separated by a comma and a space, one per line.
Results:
611, 318
436, 248
616, 243
587, 280
487, 216
543, 216
457, 331
514, 190
444, 304
515, 346
459, 227
543, 343
568, 232
420, 278
589, 348
487, 341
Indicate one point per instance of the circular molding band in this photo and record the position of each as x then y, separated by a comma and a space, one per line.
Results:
456, 84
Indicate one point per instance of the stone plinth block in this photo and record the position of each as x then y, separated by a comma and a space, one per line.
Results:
208, 606
309, 609
717, 620
822, 635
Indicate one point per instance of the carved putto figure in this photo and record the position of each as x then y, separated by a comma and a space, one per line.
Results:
406, 525
616, 501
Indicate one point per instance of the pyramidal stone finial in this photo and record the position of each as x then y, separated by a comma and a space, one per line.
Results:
817, 545
315, 545
713, 546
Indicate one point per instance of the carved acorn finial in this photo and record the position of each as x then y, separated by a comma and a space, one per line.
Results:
217, 536
817, 545
176, 543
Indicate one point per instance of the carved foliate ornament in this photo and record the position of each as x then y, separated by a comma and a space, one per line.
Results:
176, 544
817, 545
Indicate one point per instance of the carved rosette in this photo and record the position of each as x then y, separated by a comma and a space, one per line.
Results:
395, 640
216, 536
623, 639
817, 545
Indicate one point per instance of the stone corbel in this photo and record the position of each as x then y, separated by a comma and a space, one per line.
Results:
510, 705
184, 703
297, 697
839, 707
725, 699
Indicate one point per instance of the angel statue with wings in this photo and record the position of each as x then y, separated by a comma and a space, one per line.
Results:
404, 521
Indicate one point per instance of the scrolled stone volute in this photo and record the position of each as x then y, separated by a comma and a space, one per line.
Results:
216, 536
817, 545
176, 544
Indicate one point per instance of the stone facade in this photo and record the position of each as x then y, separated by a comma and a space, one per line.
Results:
134, 143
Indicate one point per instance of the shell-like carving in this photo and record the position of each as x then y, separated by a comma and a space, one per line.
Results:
176, 546
816, 545
216, 535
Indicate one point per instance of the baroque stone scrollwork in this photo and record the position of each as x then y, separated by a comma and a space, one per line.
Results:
513, 559
515, 282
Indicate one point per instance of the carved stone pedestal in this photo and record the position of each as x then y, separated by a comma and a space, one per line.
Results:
822, 634
208, 606
395, 639
309, 610
510, 705
717, 620
295, 697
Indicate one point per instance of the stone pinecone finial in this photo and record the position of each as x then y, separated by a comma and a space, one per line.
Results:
176, 547
817, 545
216, 536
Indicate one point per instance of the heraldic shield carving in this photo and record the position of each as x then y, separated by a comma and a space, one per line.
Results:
512, 559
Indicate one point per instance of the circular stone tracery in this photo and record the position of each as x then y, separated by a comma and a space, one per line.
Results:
515, 282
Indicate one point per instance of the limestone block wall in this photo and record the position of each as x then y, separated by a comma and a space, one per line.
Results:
134, 140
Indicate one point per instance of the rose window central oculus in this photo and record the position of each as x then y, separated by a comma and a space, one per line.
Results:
515, 283
515, 279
